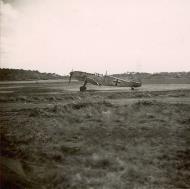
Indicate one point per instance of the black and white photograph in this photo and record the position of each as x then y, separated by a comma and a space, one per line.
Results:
95, 94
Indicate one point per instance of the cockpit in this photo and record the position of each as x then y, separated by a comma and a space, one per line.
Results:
98, 75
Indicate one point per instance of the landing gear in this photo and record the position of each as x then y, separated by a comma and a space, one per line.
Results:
132, 88
83, 88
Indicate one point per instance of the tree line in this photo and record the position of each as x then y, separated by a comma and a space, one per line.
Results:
20, 74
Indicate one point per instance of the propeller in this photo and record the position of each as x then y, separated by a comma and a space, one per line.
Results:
71, 73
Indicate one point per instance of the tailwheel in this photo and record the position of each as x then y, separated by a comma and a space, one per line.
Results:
132, 88
82, 88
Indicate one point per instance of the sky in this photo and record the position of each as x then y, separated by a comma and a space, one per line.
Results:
116, 36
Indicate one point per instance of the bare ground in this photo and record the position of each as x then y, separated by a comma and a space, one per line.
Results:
54, 138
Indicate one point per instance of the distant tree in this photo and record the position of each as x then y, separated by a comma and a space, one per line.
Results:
20, 74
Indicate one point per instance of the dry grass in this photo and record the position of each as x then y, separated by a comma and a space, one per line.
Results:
84, 141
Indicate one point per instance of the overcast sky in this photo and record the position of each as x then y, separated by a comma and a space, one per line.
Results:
96, 35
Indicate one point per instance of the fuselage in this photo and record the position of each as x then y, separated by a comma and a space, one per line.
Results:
106, 80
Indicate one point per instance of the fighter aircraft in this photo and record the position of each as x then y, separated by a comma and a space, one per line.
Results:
102, 80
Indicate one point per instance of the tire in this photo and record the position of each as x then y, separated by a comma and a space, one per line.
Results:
83, 88
132, 88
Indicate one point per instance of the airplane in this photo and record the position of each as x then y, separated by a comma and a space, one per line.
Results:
102, 80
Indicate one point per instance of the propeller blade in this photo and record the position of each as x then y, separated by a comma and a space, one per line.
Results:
70, 77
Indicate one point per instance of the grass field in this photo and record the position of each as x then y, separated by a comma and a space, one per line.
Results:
53, 136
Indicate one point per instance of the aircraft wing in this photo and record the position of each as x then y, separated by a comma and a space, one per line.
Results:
92, 81
116, 78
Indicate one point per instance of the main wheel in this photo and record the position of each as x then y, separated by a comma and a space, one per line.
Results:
132, 88
82, 88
